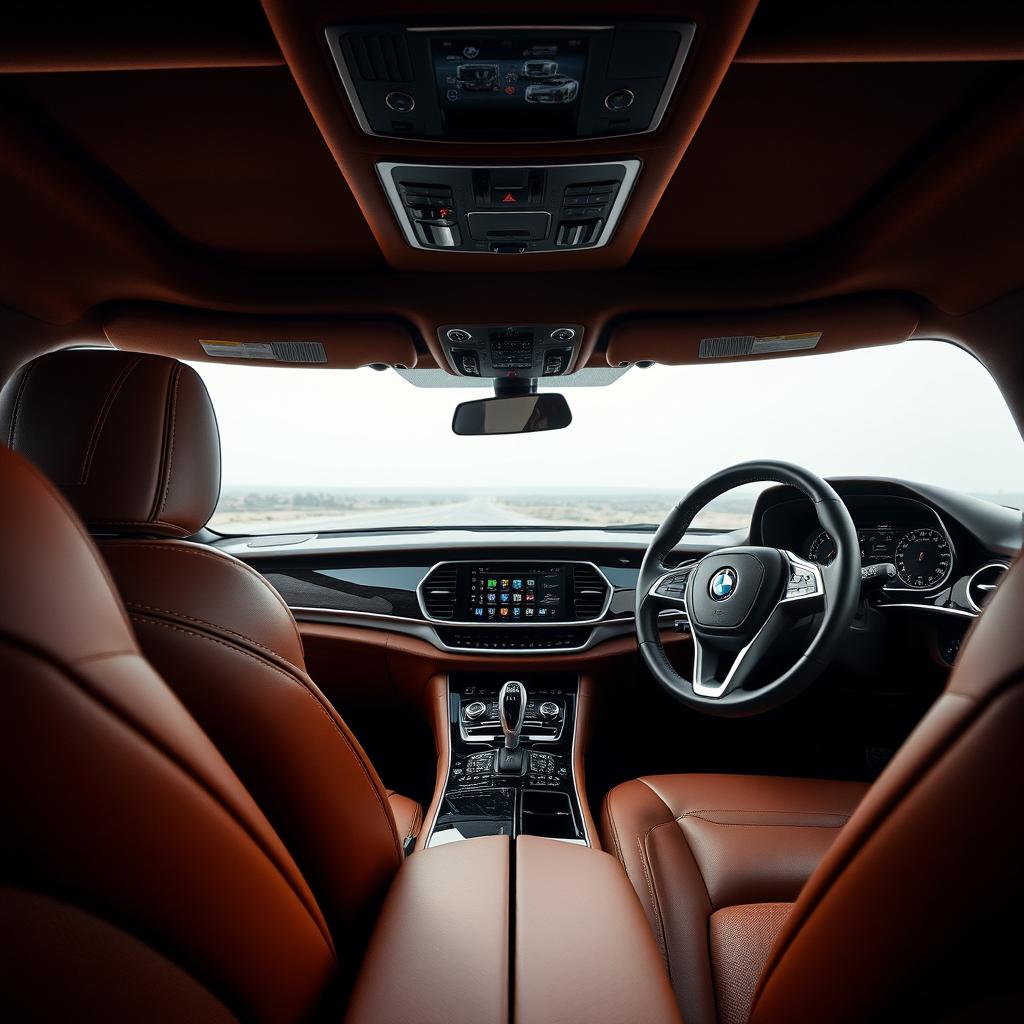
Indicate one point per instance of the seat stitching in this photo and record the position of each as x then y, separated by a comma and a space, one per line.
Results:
762, 824
615, 828
220, 559
304, 689
170, 443
133, 605
101, 419
656, 906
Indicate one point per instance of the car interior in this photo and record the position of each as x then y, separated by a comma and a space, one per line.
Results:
512, 513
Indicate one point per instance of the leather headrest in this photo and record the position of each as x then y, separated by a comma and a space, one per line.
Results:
131, 440
58, 595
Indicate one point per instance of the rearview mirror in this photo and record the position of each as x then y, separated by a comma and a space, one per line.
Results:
518, 414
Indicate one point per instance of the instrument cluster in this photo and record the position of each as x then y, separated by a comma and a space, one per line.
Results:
922, 555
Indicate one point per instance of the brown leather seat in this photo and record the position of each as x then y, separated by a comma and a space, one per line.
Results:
138, 878
131, 441
771, 906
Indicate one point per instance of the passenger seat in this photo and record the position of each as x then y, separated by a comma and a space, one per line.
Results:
132, 442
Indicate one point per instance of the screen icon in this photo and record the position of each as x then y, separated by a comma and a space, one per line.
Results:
479, 613
492, 597
531, 583
504, 613
504, 584
515, 612
492, 584
517, 598
517, 584
529, 613
504, 598
530, 596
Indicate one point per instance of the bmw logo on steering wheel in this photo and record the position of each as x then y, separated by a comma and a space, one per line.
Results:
723, 584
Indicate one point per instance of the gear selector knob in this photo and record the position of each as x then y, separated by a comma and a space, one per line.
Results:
512, 711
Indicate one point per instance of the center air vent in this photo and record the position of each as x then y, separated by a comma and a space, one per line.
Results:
589, 591
438, 592
982, 585
381, 58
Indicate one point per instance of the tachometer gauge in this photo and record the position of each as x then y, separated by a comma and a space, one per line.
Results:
823, 549
923, 558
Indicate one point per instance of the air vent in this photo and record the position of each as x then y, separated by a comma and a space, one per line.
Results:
982, 585
381, 58
438, 592
589, 592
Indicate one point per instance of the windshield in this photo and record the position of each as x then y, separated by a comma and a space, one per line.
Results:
307, 450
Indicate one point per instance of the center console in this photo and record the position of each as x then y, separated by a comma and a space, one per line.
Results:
511, 768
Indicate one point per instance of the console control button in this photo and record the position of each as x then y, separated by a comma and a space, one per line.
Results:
549, 709
400, 102
477, 709
563, 334
620, 99
458, 335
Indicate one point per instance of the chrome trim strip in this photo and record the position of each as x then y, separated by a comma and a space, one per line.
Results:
630, 166
687, 30
929, 608
510, 625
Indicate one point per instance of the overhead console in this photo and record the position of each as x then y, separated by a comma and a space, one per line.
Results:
512, 209
501, 83
504, 351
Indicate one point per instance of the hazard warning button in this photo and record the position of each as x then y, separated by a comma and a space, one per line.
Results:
514, 196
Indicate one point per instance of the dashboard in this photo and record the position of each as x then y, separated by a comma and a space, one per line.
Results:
552, 592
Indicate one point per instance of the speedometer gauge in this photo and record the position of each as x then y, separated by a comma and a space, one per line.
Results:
923, 558
823, 549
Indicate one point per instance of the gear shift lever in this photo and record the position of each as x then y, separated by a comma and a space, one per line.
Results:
511, 712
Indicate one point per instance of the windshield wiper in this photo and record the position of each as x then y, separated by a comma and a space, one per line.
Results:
628, 527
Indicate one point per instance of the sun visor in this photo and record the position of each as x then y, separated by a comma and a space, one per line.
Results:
818, 327
197, 336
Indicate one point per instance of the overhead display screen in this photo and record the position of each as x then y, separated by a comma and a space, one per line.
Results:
519, 73
508, 594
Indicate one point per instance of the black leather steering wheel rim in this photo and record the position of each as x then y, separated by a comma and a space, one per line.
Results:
837, 586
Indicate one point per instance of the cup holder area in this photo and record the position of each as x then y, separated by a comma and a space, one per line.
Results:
548, 814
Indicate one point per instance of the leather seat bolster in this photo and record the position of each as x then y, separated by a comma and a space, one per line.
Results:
695, 844
408, 815
227, 645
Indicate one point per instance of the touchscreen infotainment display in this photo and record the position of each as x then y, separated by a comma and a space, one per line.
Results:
516, 593
508, 74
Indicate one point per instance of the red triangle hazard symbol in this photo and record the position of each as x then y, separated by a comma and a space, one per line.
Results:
509, 198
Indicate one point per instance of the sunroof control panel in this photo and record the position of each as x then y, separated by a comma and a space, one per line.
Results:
509, 209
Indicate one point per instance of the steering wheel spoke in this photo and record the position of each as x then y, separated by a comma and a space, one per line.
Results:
714, 675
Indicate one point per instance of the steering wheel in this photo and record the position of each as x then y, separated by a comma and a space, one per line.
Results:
740, 600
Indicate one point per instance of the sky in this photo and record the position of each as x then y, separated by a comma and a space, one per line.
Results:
923, 411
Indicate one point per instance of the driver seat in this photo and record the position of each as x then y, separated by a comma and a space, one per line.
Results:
793, 899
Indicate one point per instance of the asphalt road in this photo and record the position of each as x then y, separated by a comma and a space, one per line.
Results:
478, 511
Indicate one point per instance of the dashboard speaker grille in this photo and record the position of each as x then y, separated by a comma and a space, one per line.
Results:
382, 58
439, 592
589, 592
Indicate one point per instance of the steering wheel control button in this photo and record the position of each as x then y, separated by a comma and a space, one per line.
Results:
400, 102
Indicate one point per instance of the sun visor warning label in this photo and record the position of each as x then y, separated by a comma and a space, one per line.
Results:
750, 345
273, 351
